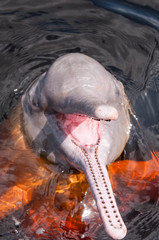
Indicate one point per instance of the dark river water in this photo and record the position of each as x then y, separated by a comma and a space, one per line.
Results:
32, 35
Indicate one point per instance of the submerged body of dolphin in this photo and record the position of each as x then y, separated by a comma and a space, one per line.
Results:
76, 114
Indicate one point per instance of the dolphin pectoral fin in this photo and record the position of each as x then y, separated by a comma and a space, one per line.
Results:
99, 181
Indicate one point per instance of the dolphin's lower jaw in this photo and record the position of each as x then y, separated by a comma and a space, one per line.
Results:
99, 182
92, 158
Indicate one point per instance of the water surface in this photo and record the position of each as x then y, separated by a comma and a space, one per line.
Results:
38, 200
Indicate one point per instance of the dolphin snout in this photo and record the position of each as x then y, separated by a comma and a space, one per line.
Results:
106, 112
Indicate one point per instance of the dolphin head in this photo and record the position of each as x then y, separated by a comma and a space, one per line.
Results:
77, 114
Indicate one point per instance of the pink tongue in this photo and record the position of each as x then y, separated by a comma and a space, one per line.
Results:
84, 130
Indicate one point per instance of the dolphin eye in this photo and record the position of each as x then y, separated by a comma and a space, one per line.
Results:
35, 103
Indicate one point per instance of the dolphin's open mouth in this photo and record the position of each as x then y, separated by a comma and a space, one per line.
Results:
85, 133
83, 130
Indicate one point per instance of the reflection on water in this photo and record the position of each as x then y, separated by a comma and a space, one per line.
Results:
42, 201
137, 12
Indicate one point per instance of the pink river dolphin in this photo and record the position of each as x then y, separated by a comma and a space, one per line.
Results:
77, 115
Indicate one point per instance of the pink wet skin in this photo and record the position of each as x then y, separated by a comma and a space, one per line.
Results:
85, 132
